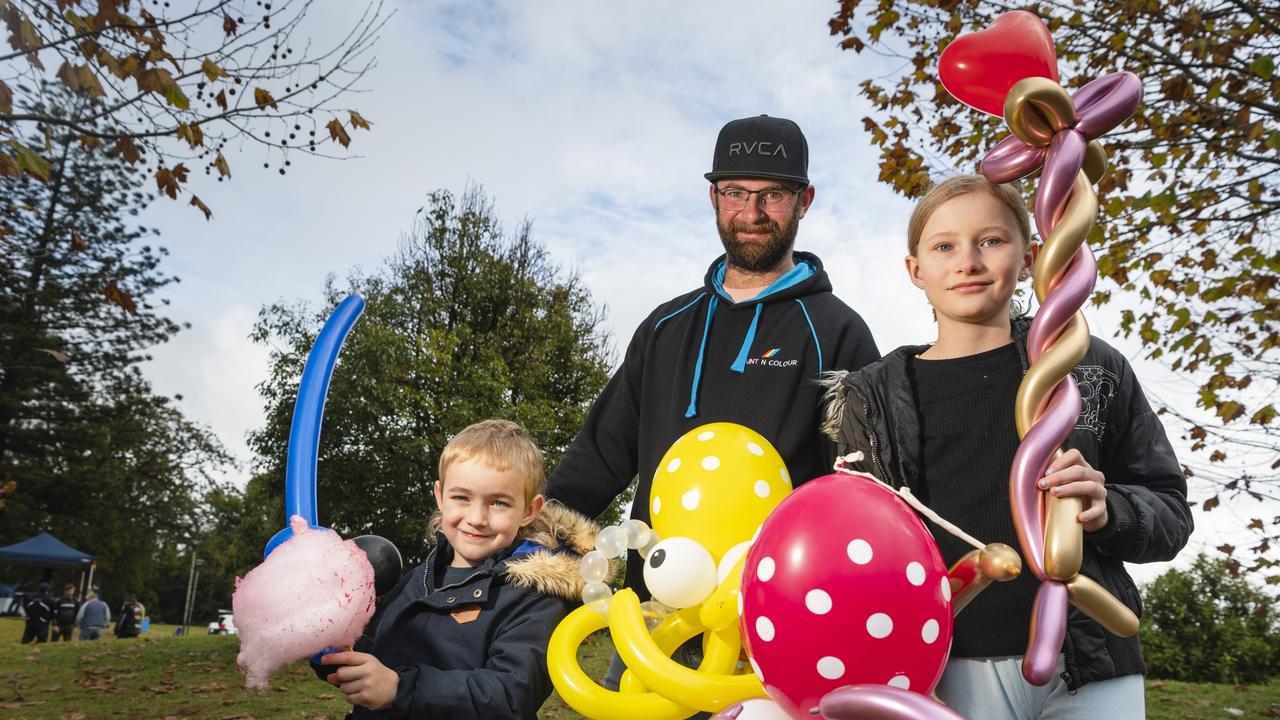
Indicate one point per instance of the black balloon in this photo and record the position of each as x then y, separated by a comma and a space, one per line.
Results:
384, 556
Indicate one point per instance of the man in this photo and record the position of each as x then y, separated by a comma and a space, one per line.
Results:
94, 615
64, 614
130, 622
39, 610
747, 347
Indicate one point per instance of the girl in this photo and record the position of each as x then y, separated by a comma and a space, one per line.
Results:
939, 419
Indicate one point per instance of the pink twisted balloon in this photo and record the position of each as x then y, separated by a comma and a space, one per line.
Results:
1058, 132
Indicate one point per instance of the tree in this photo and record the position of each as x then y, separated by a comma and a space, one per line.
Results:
1204, 624
89, 451
123, 476
76, 297
461, 324
1188, 239
172, 87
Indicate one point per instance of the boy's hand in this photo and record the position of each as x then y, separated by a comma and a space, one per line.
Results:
1070, 475
363, 679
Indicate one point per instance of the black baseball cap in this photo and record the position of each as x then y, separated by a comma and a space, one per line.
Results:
762, 146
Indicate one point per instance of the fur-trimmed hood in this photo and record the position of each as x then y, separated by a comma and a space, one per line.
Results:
834, 395
546, 554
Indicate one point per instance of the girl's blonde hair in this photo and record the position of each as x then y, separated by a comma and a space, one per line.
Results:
502, 445
958, 185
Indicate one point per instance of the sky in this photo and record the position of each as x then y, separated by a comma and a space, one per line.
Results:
593, 120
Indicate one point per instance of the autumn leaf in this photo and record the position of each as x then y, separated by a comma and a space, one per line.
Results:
223, 168
196, 201
228, 25
67, 74
337, 132
263, 99
131, 66
89, 81
159, 81
127, 149
108, 61
211, 70
168, 180
357, 121
6, 98
8, 166
221, 99
191, 133
1211, 503
115, 295
30, 161
77, 243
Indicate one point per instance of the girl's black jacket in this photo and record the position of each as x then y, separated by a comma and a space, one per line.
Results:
873, 411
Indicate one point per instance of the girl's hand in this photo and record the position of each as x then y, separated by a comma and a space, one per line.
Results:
363, 679
1070, 476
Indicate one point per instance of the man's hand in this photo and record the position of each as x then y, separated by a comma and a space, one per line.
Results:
363, 679
1069, 476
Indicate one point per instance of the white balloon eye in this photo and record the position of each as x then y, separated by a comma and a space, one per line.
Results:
679, 572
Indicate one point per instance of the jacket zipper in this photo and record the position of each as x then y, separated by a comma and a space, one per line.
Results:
872, 436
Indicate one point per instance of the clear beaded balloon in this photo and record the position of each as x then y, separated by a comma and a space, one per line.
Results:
612, 541
596, 595
594, 567
637, 532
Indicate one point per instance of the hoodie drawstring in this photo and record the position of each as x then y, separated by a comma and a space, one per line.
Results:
692, 411
740, 364
817, 346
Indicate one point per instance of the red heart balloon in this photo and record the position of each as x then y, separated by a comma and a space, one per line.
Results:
978, 69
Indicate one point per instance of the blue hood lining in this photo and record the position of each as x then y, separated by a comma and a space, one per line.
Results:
801, 272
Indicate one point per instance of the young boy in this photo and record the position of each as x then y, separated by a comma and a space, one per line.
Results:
465, 634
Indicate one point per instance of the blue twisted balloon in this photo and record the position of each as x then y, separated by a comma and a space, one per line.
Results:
308, 413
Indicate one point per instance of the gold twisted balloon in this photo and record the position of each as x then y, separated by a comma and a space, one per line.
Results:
1036, 109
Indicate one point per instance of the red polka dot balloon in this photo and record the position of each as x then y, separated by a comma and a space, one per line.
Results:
844, 585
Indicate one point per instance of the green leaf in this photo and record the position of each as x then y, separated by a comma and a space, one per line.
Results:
30, 161
1264, 66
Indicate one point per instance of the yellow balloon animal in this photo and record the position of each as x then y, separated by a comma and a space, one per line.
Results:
711, 492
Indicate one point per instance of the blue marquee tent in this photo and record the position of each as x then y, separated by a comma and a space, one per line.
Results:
45, 549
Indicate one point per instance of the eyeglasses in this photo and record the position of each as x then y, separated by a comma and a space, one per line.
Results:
734, 199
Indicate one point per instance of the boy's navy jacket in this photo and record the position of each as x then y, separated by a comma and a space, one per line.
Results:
477, 649
873, 411
703, 358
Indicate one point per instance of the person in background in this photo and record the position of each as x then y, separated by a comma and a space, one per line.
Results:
94, 615
130, 622
64, 614
39, 610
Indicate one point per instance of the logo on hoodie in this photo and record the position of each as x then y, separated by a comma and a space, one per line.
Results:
770, 359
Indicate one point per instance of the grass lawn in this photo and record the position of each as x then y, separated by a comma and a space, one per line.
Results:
159, 676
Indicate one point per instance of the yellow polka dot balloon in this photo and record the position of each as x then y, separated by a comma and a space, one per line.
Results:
716, 485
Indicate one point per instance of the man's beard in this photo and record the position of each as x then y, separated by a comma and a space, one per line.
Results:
757, 256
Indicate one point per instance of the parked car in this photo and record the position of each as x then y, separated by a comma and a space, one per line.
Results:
225, 625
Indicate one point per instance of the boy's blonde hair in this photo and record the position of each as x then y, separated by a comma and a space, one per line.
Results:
958, 185
502, 445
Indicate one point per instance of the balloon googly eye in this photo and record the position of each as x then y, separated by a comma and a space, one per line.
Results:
680, 573
657, 557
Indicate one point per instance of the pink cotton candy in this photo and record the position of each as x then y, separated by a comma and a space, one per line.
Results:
313, 591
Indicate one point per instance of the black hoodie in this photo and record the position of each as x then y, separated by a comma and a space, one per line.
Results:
702, 358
